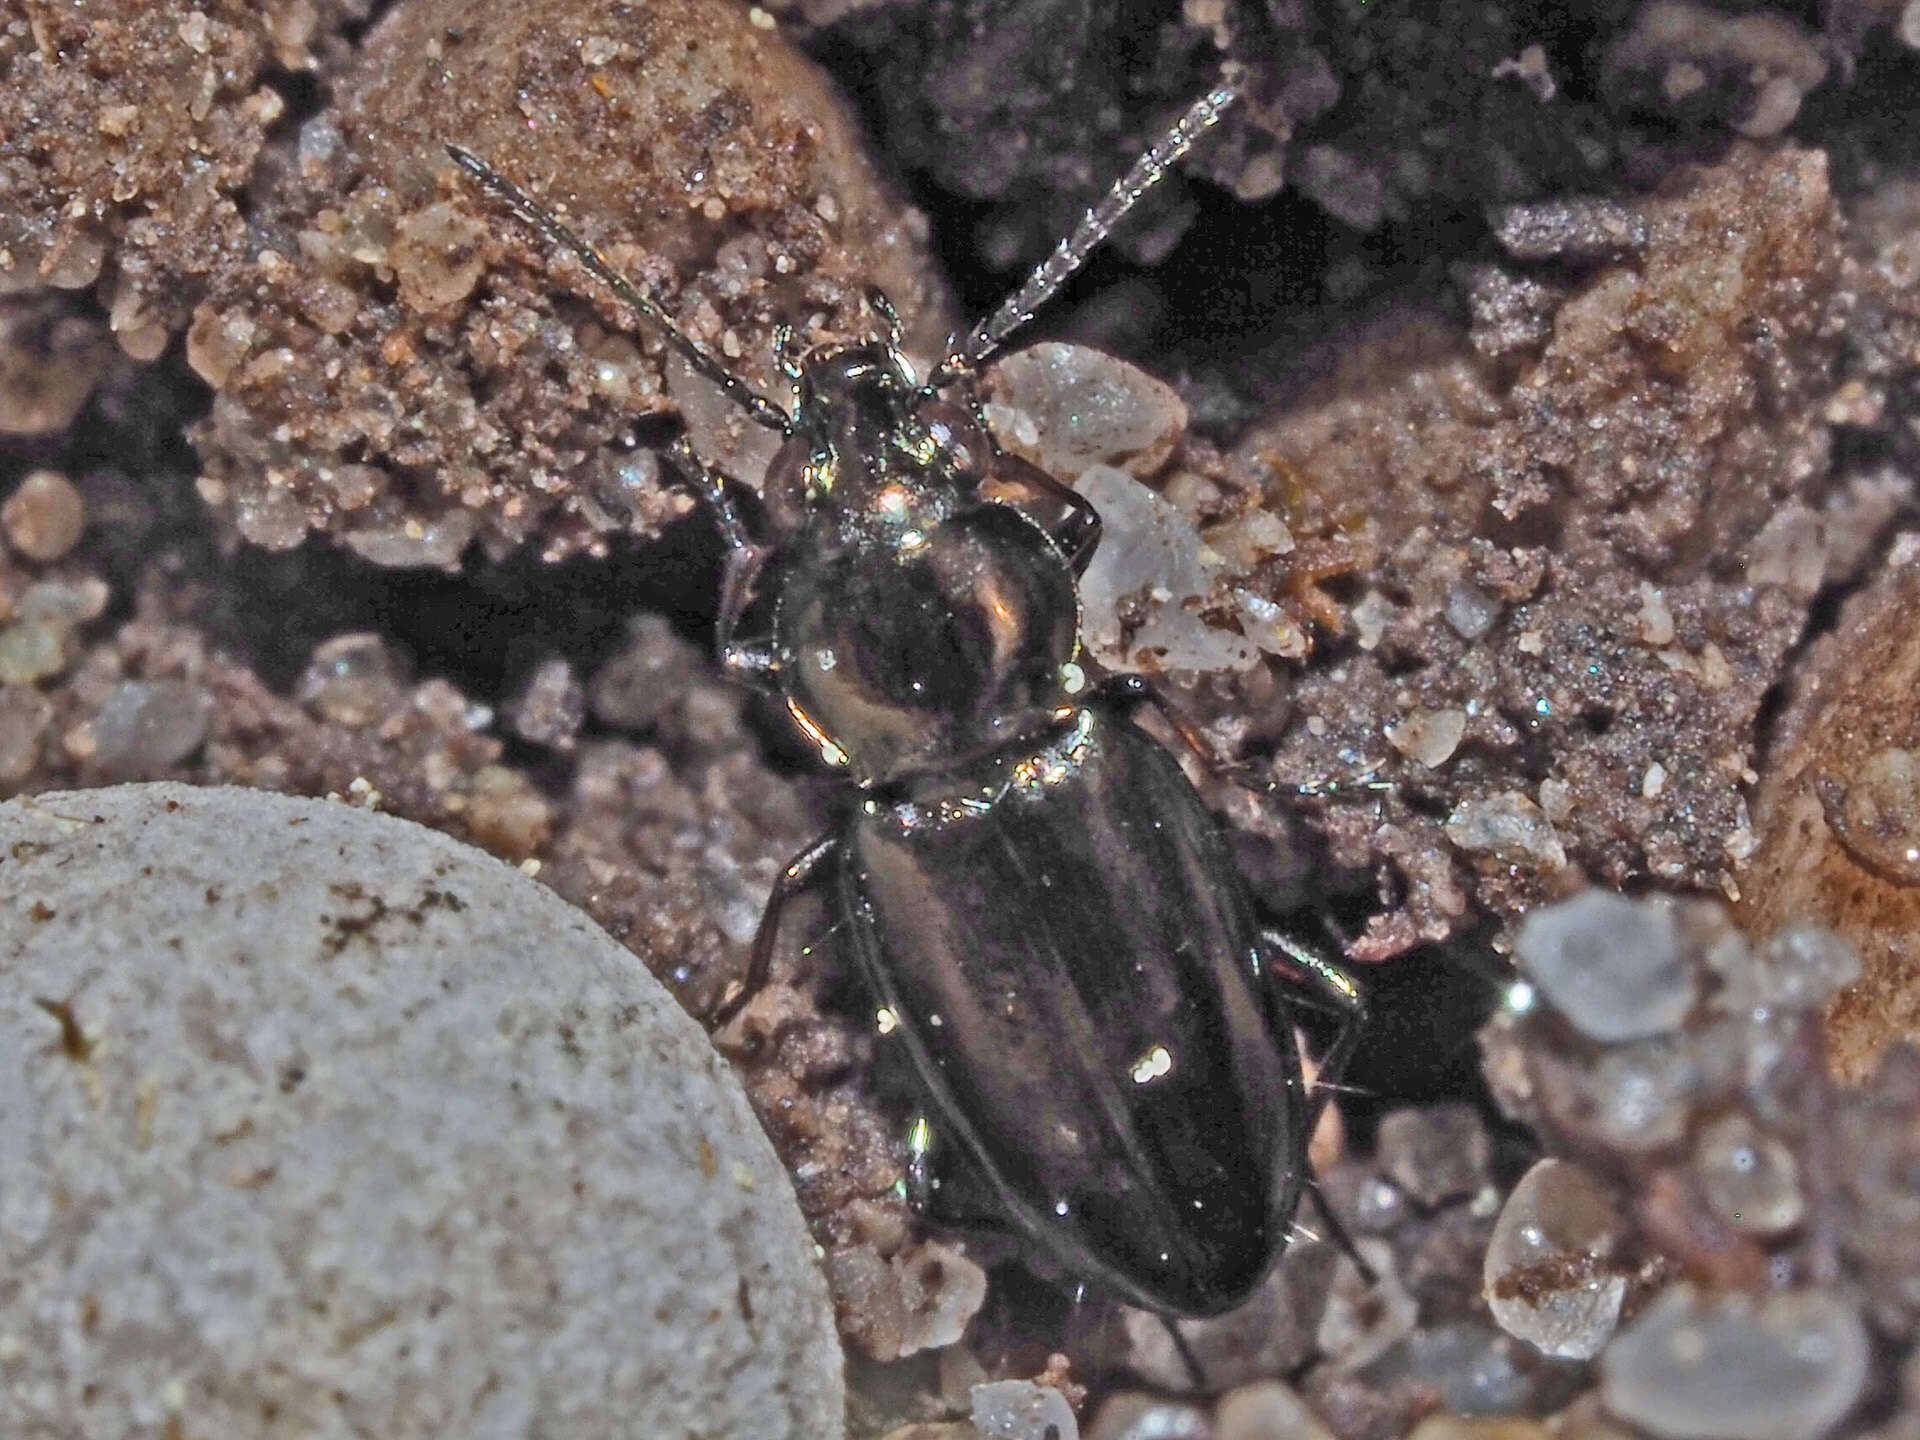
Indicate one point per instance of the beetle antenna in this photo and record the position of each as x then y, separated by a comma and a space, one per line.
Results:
1072, 252
543, 222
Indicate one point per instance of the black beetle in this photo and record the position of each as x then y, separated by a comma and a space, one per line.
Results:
1046, 912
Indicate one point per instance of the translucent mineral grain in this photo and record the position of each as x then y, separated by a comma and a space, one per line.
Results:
1429, 737
1749, 1178
1132, 1415
1141, 593
1470, 1366
146, 727
1079, 407
24, 716
1434, 1152
33, 650
550, 706
1637, 1096
1363, 1321
353, 680
1507, 827
1787, 1366
1021, 1410
1546, 1277
1267, 1410
44, 515
1612, 966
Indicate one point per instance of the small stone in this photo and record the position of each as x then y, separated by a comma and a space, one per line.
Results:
145, 728
1250, 539
1266, 1410
1088, 408
940, 1291
408, 544
506, 813
1458, 1427
1787, 1366
436, 257
1371, 615
1379, 1206
1021, 1410
1803, 965
1272, 1333
1470, 610
1638, 1095
44, 515
1133, 1415
1429, 737
24, 716
1546, 1276
1509, 827
33, 650
549, 710
1434, 1152
387, 1081
1138, 595
1362, 1321
352, 680
1748, 1177
1468, 1365
66, 603
1611, 965
635, 688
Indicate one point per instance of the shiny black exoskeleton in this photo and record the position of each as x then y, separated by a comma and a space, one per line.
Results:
1047, 914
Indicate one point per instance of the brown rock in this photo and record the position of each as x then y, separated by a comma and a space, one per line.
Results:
1838, 816
406, 367
1590, 551
146, 122
44, 515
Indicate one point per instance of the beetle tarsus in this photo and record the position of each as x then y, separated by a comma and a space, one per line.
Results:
798, 875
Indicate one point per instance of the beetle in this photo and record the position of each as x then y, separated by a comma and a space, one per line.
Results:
1045, 911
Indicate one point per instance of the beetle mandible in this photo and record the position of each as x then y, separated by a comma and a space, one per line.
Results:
1036, 895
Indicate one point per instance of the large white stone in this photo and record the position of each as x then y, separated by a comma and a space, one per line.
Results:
356, 1131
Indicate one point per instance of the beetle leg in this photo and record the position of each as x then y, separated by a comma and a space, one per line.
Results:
1134, 690
878, 302
1077, 531
1317, 983
800, 873
944, 1189
749, 664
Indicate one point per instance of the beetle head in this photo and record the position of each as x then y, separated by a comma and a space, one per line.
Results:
852, 400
